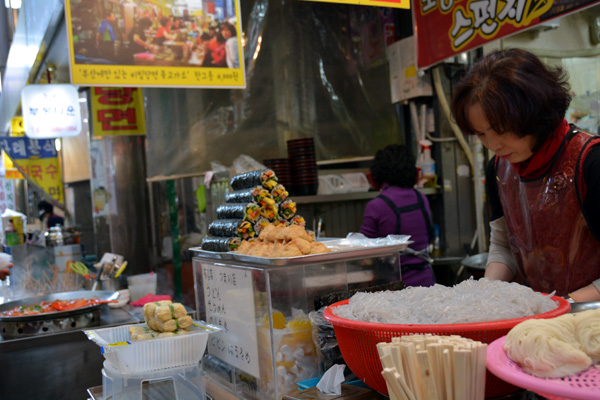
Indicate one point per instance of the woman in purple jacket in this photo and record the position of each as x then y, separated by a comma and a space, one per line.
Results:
400, 209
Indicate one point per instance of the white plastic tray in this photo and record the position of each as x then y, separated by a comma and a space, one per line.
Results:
154, 354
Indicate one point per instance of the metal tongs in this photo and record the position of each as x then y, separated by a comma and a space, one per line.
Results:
423, 254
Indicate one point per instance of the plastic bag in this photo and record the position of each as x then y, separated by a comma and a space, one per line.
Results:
244, 163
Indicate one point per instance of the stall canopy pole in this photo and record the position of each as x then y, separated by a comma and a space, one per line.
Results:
172, 196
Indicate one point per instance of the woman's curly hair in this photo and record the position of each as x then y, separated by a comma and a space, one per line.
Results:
396, 166
518, 94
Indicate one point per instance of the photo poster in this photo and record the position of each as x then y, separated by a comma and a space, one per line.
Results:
379, 3
155, 43
38, 158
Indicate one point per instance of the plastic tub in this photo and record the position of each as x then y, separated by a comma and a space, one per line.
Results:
141, 285
149, 355
330, 184
357, 182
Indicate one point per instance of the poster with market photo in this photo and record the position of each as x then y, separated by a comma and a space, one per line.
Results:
155, 43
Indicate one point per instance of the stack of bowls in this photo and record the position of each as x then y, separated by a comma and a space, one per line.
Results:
283, 170
304, 166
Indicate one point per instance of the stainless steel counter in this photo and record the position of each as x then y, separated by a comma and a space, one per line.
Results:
56, 366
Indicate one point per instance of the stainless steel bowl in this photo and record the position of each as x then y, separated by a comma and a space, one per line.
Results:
478, 261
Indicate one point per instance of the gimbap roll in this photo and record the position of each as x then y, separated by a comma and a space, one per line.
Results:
281, 221
279, 193
260, 225
256, 194
263, 177
298, 220
231, 228
220, 244
247, 211
287, 209
270, 212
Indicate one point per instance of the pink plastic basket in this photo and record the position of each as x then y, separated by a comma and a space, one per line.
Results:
583, 386
358, 342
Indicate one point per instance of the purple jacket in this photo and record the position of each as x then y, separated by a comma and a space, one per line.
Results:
379, 220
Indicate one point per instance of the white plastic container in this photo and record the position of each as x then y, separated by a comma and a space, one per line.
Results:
141, 285
180, 383
357, 182
330, 184
149, 355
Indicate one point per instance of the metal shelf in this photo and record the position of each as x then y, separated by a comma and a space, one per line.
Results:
327, 198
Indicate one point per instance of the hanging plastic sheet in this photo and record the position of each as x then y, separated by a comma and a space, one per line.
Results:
313, 69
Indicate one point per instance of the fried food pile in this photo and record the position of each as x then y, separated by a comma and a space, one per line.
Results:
163, 318
282, 241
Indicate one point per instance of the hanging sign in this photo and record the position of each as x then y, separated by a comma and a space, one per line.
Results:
378, 3
445, 28
118, 111
39, 160
10, 171
155, 43
7, 195
16, 127
50, 111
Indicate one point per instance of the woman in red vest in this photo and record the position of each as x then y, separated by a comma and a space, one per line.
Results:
543, 184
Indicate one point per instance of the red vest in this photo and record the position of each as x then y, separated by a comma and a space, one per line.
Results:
548, 234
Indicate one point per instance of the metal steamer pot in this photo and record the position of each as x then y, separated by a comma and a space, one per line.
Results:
33, 325
59, 236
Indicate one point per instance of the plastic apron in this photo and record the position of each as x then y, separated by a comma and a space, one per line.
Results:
549, 236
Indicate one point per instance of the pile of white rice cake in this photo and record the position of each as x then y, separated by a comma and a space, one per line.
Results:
470, 301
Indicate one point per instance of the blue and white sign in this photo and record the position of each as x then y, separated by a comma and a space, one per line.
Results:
50, 111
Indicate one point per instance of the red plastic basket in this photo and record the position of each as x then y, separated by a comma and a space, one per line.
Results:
358, 342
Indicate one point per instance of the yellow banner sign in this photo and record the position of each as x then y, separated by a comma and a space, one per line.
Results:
39, 161
46, 173
118, 111
378, 3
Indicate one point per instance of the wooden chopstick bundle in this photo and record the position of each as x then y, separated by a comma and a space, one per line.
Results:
432, 367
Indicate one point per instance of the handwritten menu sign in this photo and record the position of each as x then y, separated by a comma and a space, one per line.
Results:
229, 303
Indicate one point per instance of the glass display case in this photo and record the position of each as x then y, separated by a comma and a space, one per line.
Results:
262, 304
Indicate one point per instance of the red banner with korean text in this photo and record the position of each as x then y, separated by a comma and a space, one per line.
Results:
118, 111
38, 159
445, 28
